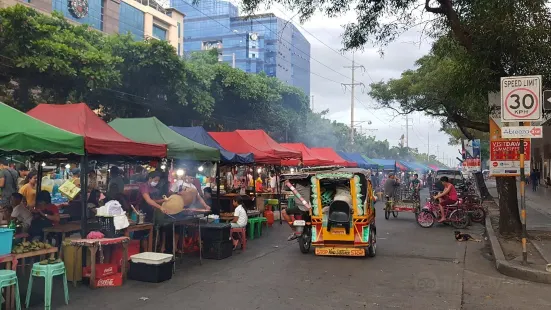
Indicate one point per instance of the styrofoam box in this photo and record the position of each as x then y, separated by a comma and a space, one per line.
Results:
151, 258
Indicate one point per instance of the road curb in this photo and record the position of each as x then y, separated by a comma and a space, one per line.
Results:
509, 269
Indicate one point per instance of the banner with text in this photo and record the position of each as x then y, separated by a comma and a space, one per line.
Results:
471, 149
505, 153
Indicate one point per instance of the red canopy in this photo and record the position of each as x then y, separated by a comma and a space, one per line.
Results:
99, 137
329, 153
233, 142
265, 143
308, 157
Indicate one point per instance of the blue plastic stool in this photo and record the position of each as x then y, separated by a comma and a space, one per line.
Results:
7, 279
48, 272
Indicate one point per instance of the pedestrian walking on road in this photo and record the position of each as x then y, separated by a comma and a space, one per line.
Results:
534, 180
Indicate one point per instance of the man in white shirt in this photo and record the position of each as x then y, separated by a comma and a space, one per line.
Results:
240, 218
20, 211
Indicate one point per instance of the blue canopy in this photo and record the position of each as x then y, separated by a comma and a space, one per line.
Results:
200, 135
409, 165
358, 159
387, 164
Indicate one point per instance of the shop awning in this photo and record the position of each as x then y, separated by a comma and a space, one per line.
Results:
23, 134
262, 141
233, 142
358, 159
329, 153
387, 164
152, 130
99, 138
308, 157
200, 135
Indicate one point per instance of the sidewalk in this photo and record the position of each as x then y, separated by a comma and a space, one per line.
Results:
538, 206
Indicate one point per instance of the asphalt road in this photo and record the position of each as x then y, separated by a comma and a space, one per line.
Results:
415, 268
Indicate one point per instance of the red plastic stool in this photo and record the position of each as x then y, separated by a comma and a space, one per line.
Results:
242, 236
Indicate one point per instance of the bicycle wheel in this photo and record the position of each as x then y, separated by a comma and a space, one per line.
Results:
459, 219
478, 215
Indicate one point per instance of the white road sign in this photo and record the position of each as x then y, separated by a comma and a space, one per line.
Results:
532, 132
521, 98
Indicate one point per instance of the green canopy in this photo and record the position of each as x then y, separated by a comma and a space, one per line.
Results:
24, 134
151, 130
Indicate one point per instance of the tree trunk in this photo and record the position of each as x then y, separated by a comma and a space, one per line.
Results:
509, 218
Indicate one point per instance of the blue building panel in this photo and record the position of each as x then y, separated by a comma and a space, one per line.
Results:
131, 21
93, 18
262, 43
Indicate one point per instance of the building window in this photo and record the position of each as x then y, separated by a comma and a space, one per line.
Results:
131, 20
159, 33
179, 30
253, 55
93, 17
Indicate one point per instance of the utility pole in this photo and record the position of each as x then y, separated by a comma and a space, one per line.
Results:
407, 131
428, 146
352, 96
437, 147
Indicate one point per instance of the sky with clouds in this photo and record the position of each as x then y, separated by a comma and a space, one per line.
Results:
398, 56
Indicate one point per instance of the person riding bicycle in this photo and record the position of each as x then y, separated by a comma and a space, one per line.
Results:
447, 197
391, 186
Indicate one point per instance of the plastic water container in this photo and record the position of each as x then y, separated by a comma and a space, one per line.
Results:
6, 240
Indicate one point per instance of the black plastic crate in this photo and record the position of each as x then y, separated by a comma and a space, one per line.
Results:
150, 273
218, 250
215, 232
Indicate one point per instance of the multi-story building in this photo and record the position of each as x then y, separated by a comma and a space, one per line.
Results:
254, 44
144, 19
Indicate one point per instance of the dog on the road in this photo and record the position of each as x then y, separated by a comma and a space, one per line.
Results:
464, 237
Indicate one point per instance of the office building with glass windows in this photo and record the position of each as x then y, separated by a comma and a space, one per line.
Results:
144, 19
254, 44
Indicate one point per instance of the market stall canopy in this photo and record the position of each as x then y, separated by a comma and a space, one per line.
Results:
358, 159
200, 135
329, 153
24, 134
99, 138
152, 130
387, 164
369, 160
308, 157
400, 165
233, 142
262, 141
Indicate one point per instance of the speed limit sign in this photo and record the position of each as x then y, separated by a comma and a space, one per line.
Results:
521, 98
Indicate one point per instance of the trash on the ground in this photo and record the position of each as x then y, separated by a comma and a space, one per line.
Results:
456, 261
144, 298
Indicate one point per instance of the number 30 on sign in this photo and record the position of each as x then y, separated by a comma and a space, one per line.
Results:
521, 98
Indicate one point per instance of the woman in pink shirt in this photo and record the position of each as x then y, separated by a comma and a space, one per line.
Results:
447, 197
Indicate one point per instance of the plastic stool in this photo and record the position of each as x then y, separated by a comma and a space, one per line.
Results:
9, 278
242, 236
259, 221
252, 224
48, 272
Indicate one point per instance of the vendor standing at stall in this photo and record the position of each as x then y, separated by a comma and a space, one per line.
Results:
152, 197
29, 189
116, 183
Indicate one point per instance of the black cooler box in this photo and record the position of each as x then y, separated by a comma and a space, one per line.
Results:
151, 267
215, 232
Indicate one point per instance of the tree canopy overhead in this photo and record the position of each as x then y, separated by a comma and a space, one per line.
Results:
47, 59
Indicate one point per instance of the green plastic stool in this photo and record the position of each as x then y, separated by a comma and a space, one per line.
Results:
9, 278
259, 221
251, 228
48, 272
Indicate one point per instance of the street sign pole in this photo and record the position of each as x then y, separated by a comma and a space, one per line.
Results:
523, 200
521, 102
